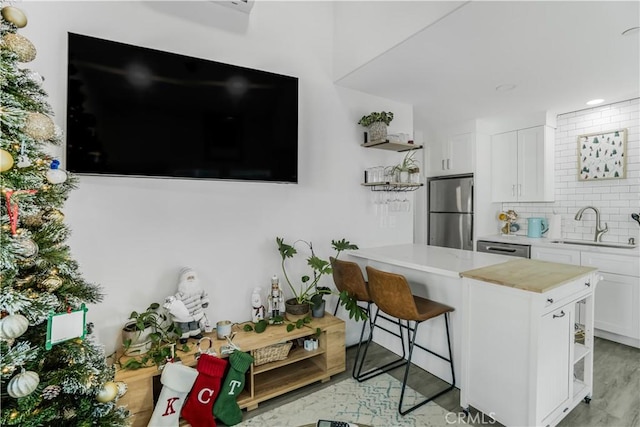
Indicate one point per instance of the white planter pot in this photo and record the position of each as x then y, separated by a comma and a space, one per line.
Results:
140, 341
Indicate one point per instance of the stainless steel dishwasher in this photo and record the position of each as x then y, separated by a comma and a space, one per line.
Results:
502, 248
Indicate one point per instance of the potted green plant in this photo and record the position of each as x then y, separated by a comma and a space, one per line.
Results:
309, 294
151, 335
408, 166
377, 123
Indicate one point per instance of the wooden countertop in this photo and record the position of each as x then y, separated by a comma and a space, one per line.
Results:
528, 274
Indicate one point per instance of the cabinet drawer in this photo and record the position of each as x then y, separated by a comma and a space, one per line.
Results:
561, 295
610, 263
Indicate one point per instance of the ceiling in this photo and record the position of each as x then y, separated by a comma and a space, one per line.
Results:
558, 54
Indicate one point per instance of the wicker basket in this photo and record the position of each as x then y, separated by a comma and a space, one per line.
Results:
271, 353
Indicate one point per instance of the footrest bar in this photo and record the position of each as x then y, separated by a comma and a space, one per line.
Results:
424, 402
380, 370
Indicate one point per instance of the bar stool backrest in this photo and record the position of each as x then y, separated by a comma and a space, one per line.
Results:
348, 277
392, 294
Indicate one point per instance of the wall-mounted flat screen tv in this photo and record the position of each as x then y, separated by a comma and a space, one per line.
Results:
136, 111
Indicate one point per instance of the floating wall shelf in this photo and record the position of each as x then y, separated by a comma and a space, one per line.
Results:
391, 146
392, 186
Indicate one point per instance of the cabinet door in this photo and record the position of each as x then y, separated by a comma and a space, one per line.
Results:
531, 164
461, 154
616, 305
504, 167
554, 360
437, 155
563, 256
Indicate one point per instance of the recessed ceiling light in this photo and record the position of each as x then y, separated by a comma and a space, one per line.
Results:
595, 101
505, 87
631, 31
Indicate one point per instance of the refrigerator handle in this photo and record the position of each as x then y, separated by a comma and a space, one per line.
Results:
471, 235
472, 219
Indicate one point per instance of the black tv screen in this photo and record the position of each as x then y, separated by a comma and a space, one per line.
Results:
142, 112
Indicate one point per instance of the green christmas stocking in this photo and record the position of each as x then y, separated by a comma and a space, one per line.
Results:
226, 407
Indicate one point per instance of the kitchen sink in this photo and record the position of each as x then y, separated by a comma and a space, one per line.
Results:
595, 244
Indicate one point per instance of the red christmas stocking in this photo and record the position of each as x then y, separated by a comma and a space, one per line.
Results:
198, 409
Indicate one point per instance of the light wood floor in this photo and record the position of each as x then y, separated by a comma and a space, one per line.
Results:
615, 401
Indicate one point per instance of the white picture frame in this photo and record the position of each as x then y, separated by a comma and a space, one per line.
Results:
602, 155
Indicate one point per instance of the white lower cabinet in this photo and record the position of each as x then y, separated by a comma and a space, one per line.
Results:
521, 351
553, 377
617, 299
617, 302
563, 256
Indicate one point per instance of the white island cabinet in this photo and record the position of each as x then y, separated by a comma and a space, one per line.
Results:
522, 361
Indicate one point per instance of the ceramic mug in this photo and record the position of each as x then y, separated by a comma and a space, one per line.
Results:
537, 227
223, 329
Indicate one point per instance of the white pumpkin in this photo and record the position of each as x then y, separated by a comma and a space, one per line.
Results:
23, 384
13, 326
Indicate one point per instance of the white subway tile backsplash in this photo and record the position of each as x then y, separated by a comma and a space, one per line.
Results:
616, 199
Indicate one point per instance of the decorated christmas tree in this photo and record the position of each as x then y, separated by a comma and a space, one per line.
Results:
53, 373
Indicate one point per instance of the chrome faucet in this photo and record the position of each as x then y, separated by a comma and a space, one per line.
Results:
599, 231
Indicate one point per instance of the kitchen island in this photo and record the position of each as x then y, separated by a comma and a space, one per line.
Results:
527, 334
518, 305
433, 272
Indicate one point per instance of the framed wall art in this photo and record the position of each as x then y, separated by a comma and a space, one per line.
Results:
602, 155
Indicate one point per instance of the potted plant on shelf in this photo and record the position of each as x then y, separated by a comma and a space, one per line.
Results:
377, 124
408, 166
309, 294
151, 335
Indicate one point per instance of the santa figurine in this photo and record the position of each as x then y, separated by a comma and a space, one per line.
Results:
192, 297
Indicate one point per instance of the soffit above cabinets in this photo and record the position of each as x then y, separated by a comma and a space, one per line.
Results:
558, 54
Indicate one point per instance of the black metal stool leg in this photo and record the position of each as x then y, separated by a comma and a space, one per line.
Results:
364, 325
374, 372
406, 372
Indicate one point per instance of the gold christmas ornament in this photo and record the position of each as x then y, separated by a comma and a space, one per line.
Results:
13, 326
15, 16
23, 384
34, 220
108, 393
39, 126
21, 46
51, 283
6, 160
27, 280
54, 215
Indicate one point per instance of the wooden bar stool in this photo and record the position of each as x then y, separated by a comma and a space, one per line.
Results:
347, 276
392, 295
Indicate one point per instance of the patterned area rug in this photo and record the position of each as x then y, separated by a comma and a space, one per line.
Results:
373, 402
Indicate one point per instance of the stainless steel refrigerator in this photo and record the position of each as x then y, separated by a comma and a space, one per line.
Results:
451, 212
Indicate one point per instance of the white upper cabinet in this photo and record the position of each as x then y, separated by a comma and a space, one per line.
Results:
453, 155
522, 165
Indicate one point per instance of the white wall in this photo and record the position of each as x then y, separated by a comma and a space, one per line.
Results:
615, 198
132, 235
